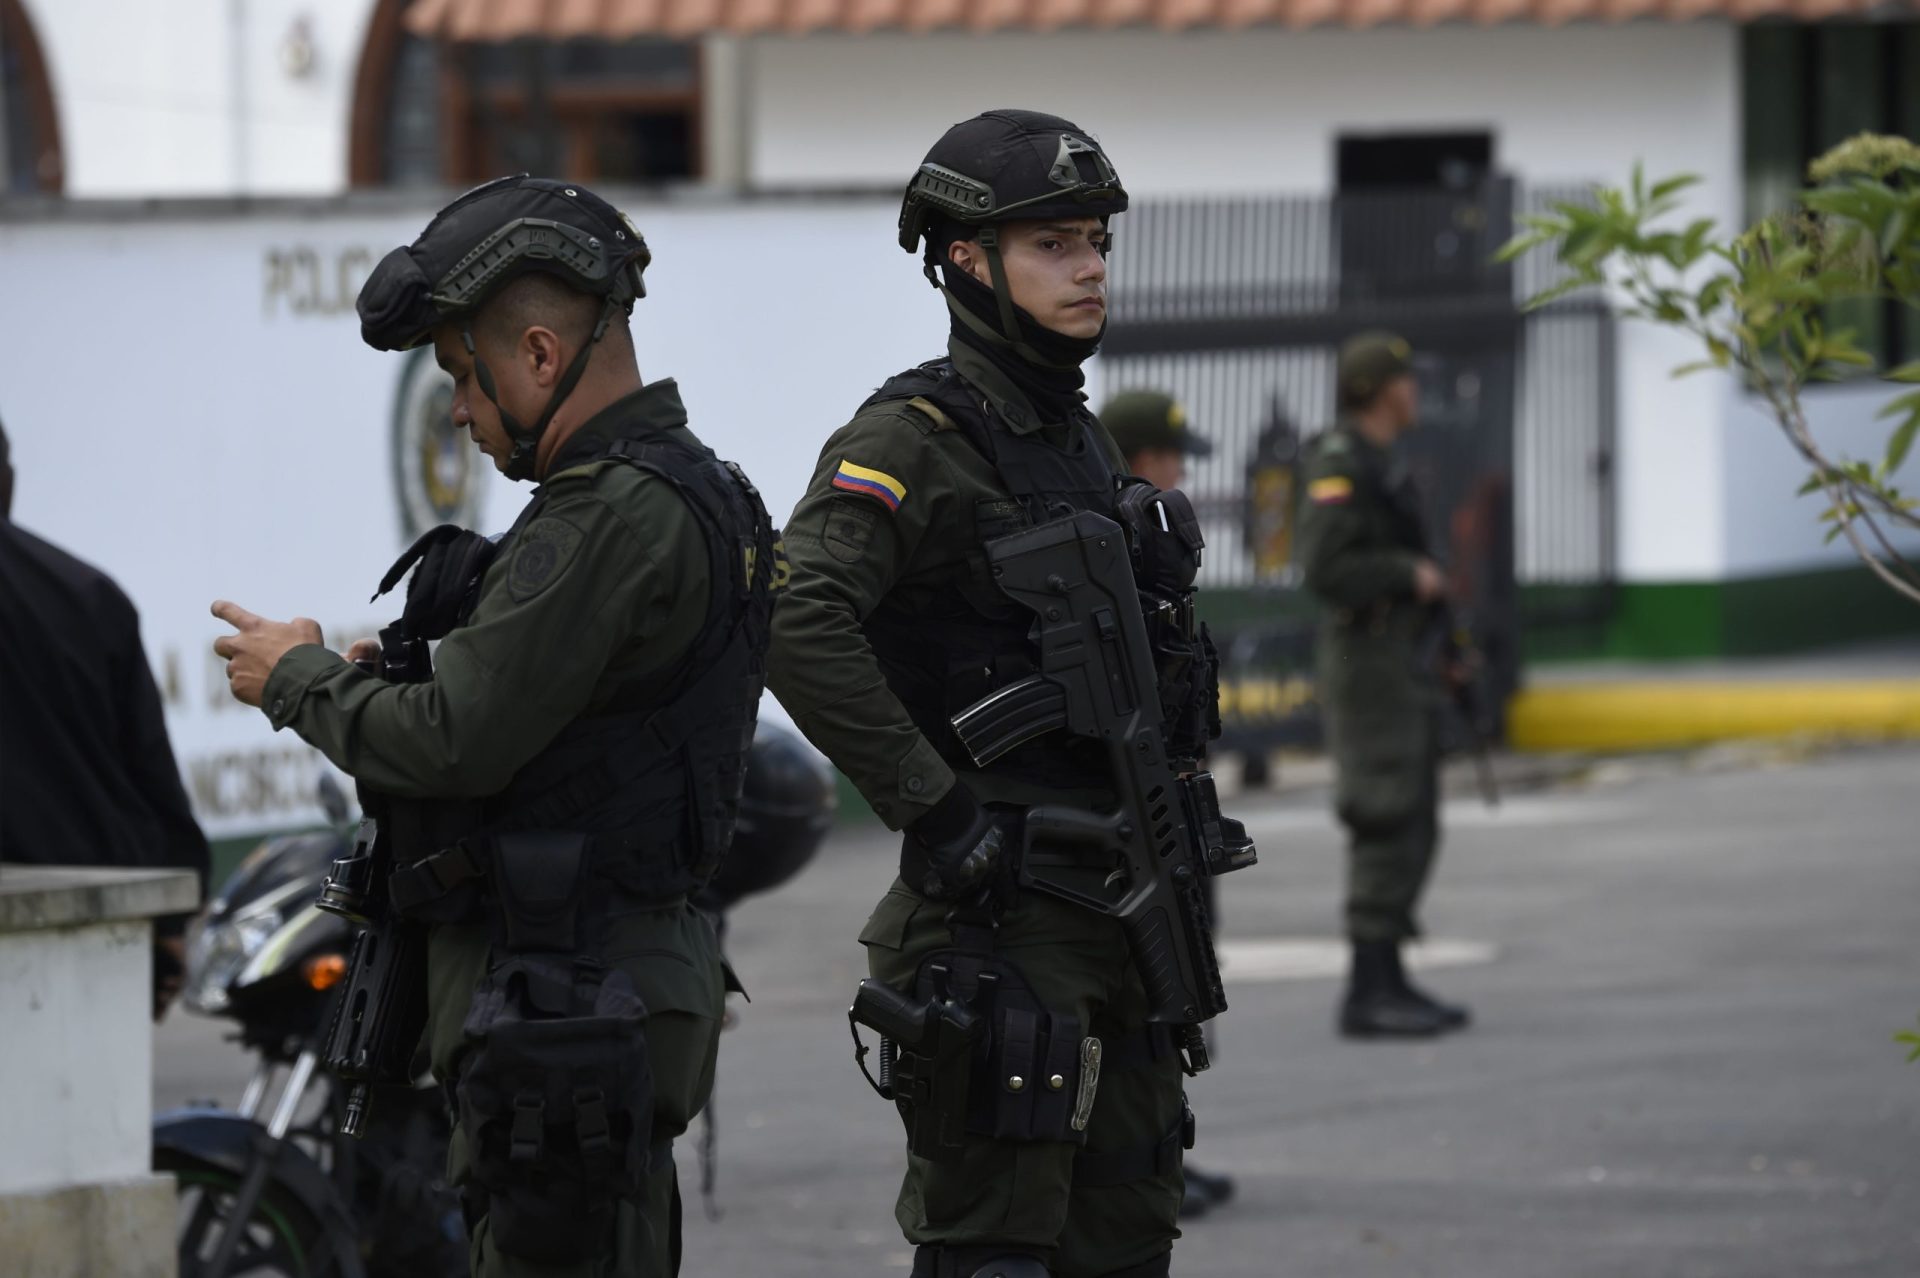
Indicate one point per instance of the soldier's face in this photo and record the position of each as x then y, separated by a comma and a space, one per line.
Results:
1164, 468
472, 410
1055, 271
1402, 396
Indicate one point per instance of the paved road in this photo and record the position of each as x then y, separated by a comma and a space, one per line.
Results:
1687, 984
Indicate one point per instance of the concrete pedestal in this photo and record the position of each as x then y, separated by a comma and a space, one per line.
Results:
76, 1072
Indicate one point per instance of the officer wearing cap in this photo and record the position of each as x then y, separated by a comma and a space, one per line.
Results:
563, 771
1151, 430
1363, 548
892, 624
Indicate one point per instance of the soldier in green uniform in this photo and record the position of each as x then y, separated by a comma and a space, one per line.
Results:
569, 769
1363, 548
893, 623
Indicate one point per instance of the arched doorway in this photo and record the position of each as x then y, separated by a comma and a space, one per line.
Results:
30, 159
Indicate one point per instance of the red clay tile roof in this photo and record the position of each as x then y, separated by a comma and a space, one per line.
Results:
492, 20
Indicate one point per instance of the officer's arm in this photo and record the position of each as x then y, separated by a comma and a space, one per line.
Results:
1343, 564
554, 609
847, 546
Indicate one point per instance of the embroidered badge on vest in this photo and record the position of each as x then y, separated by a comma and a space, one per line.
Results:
866, 482
1330, 491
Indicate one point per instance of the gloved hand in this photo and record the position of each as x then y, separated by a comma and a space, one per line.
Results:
961, 844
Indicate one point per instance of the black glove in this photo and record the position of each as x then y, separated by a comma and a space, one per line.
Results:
958, 844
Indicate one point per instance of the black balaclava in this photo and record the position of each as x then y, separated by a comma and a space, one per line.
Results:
1054, 380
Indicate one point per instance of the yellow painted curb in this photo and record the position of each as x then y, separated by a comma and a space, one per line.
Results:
1654, 716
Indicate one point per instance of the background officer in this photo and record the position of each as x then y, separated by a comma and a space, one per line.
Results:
893, 623
576, 753
1150, 428
1363, 547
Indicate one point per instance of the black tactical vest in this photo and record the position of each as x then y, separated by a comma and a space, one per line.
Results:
940, 656
657, 785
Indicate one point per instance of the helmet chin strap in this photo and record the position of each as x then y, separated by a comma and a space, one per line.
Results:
1008, 334
526, 440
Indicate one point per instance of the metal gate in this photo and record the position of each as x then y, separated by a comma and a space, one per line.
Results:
1237, 307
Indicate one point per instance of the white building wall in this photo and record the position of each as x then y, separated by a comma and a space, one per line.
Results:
195, 97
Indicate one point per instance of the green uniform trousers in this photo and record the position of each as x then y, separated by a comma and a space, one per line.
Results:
1383, 730
1022, 1195
673, 959
1389, 862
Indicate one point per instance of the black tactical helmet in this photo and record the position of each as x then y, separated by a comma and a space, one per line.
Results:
482, 241
786, 808
1004, 166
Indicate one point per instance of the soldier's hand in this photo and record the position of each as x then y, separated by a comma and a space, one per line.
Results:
257, 648
1429, 583
961, 843
363, 650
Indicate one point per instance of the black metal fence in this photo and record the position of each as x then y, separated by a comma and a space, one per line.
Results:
1237, 306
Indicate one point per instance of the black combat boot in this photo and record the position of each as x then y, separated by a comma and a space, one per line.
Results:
1452, 1016
1205, 1191
1377, 1005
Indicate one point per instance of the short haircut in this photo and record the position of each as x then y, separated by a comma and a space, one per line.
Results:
539, 299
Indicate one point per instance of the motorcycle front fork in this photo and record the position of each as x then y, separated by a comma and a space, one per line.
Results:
267, 1144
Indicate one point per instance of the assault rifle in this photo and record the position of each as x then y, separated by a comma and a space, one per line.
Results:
1464, 672
1097, 680
382, 1005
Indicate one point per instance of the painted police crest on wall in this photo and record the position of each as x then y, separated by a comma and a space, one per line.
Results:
438, 475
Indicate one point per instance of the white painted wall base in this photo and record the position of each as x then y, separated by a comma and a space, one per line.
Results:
76, 1069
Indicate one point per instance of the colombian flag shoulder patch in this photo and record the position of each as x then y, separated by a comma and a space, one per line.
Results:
867, 482
1330, 490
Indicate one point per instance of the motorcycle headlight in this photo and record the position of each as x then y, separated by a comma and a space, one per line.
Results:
216, 953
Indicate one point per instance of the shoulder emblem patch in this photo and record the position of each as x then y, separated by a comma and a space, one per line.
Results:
539, 553
863, 481
1331, 490
848, 529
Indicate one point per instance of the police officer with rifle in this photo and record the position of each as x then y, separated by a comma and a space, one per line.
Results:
550, 782
990, 630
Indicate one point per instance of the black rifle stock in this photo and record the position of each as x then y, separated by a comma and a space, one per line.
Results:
1097, 680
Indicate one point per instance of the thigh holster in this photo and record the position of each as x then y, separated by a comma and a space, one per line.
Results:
973, 1052
555, 1092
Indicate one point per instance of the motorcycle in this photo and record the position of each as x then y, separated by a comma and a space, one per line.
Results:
270, 1187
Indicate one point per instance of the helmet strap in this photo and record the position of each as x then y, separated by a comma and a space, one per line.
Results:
526, 440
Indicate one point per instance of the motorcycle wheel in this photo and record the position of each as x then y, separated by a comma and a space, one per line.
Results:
281, 1239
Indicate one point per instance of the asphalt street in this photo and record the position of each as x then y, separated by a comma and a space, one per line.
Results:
1687, 980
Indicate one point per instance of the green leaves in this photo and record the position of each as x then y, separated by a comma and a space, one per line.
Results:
1912, 1040
1761, 302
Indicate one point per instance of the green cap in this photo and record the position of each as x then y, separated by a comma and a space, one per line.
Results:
1368, 361
1143, 419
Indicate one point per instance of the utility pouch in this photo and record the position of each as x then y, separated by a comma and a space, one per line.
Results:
1029, 1071
555, 1091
